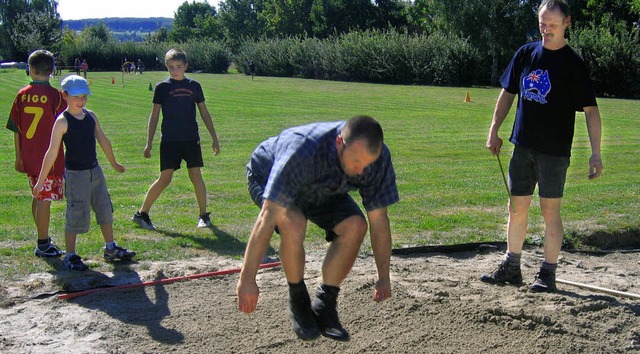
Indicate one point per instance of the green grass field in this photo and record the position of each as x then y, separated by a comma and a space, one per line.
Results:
450, 185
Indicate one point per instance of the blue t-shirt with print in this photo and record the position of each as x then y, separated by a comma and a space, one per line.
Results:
551, 86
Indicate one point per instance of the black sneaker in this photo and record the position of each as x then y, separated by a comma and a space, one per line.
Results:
503, 274
324, 309
143, 220
302, 320
118, 252
545, 282
75, 263
204, 221
50, 251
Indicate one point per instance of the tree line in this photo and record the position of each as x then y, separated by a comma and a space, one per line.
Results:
371, 39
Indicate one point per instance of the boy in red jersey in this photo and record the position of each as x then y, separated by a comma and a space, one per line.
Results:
31, 119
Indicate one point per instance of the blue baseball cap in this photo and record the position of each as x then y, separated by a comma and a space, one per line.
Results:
75, 85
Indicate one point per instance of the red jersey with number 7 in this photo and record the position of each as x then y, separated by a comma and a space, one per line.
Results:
34, 111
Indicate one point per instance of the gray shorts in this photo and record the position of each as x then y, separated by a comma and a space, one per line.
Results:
86, 190
327, 215
528, 168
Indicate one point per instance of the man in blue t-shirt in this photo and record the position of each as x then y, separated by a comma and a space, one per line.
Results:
552, 83
306, 173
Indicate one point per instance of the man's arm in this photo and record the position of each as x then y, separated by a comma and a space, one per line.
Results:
380, 232
503, 105
208, 122
151, 128
594, 128
247, 289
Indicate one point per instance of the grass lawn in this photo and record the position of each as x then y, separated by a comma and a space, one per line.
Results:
450, 185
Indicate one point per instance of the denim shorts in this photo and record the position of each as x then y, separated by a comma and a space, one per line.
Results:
327, 215
529, 167
172, 154
86, 190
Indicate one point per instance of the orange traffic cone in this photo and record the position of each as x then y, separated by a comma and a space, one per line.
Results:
467, 97
113, 80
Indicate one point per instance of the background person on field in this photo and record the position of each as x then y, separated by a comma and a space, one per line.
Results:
305, 173
77, 66
84, 183
32, 116
177, 97
552, 83
85, 66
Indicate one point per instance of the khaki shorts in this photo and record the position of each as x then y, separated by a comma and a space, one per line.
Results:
86, 190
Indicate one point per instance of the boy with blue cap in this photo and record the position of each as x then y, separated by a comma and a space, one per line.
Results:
85, 185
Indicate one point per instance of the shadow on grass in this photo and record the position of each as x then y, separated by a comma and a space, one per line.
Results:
223, 243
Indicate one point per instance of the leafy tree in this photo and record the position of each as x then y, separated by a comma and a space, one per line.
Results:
606, 13
287, 17
99, 33
14, 12
241, 20
497, 28
196, 20
35, 30
159, 36
392, 13
332, 17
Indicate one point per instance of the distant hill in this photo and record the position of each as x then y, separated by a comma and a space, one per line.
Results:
123, 28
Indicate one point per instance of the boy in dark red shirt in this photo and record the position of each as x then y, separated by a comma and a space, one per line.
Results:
31, 119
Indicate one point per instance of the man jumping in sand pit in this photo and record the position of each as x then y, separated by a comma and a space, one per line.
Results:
305, 173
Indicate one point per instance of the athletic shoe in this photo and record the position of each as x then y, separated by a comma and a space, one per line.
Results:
324, 309
75, 263
503, 274
118, 252
302, 320
50, 251
204, 221
545, 282
142, 219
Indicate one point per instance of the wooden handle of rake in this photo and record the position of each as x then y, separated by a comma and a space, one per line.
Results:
506, 185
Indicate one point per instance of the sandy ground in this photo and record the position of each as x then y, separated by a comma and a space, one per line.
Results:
438, 306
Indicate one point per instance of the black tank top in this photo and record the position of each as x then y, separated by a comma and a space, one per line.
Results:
80, 142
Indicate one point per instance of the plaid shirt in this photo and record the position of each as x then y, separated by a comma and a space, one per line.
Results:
301, 167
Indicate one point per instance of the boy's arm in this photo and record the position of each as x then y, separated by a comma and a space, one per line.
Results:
154, 117
59, 129
208, 122
18, 165
105, 145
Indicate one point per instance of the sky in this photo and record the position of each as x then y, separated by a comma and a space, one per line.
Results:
81, 9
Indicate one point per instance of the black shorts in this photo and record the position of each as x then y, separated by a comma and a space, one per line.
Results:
327, 215
528, 168
172, 154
